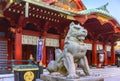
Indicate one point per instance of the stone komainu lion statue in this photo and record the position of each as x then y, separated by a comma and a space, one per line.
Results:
74, 52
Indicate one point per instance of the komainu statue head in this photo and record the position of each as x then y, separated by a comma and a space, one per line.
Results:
77, 32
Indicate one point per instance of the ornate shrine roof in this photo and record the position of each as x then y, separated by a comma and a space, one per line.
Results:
51, 7
101, 10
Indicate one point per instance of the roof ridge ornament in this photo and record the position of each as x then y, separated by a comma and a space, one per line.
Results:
104, 7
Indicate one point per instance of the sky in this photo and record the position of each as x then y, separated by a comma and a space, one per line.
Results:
113, 6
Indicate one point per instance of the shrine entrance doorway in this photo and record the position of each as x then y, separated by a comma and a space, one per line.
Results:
89, 56
50, 54
27, 50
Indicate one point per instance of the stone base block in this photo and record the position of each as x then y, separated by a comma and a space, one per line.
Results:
63, 78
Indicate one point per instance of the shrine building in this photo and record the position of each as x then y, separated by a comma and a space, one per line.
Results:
23, 22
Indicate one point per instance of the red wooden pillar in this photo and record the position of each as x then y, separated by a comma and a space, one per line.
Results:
18, 39
61, 43
18, 46
62, 37
105, 54
44, 60
94, 53
112, 55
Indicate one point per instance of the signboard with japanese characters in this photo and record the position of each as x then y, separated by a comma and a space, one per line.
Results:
52, 42
89, 46
108, 47
31, 40
99, 46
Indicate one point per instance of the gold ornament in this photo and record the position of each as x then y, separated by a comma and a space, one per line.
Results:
29, 76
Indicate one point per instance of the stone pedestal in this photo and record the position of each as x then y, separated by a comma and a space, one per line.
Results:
46, 77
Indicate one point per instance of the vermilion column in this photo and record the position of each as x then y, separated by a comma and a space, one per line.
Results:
18, 46
94, 54
105, 55
61, 43
18, 39
112, 55
44, 60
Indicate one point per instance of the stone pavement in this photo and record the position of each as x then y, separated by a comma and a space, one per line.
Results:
108, 73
